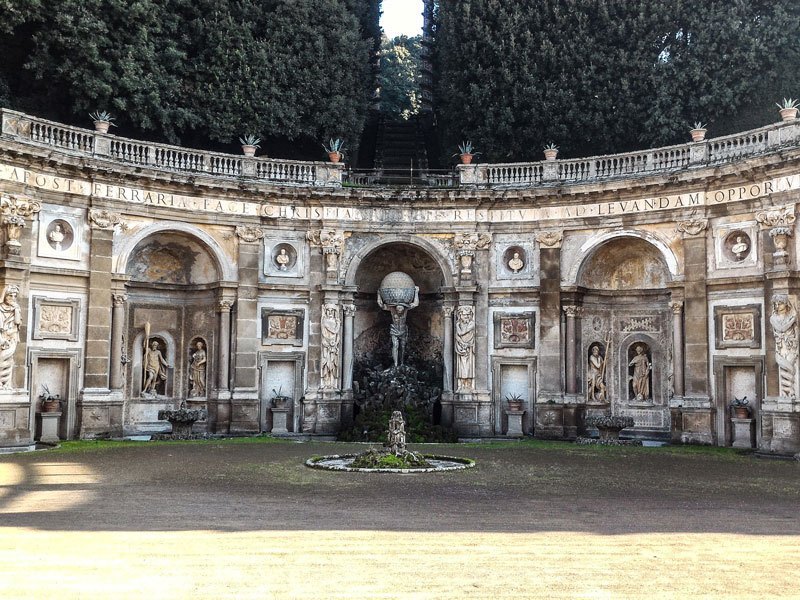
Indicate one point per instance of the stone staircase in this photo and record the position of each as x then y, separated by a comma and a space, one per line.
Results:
400, 154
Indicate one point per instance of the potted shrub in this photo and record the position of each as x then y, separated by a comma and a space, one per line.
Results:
50, 402
740, 408
698, 132
550, 151
788, 109
102, 121
335, 149
466, 152
515, 402
249, 144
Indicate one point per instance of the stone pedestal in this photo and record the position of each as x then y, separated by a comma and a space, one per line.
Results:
279, 420
48, 425
514, 423
744, 433
549, 421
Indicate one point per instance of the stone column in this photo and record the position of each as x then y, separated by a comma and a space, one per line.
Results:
447, 351
677, 348
117, 331
550, 350
223, 352
349, 311
571, 312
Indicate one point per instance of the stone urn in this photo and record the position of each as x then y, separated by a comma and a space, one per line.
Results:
182, 419
397, 288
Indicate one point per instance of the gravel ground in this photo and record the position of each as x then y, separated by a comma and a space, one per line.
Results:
246, 518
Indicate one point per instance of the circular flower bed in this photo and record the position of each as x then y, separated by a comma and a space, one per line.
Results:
344, 462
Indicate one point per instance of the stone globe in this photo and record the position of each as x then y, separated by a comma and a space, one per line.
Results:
397, 288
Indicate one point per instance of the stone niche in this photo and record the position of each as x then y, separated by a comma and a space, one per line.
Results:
425, 323
174, 259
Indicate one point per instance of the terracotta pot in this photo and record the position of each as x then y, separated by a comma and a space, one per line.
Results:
249, 150
698, 135
466, 159
335, 157
101, 126
788, 114
550, 154
49, 406
741, 412
515, 405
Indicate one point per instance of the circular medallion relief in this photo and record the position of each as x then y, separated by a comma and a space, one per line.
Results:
59, 235
737, 245
284, 256
514, 259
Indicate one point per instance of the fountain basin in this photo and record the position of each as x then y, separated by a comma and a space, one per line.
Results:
342, 462
182, 420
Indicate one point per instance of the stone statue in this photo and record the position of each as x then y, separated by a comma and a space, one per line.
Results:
595, 377
309, 415
465, 347
9, 334
329, 370
155, 368
282, 259
398, 330
740, 248
516, 263
197, 371
783, 321
56, 236
396, 441
641, 373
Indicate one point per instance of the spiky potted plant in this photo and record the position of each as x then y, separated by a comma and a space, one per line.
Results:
102, 121
788, 108
740, 408
515, 402
335, 149
466, 152
698, 132
249, 144
50, 402
550, 151
280, 400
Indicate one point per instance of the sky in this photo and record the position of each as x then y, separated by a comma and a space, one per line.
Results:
401, 17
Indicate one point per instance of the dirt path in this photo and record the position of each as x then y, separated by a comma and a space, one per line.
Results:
249, 520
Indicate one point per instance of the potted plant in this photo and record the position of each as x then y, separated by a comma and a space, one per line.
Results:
335, 149
550, 151
279, 400
740, 409
788, 109
698, 131
50, 402
249, 144
466, 152
102, 121
515, 402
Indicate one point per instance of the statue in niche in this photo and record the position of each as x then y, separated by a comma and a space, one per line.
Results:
282, 259
329, 371
197, 371
596, 375
465, 347
740, 248
56, 236
516, 264
155, 369
10, 315
783, 321
640, 378
398, 330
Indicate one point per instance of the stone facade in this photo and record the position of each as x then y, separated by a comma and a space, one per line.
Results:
659, 290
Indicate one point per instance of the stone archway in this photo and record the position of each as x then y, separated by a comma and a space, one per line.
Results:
624, 289
173, 281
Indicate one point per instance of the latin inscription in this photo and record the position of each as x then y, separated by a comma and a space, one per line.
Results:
404, 215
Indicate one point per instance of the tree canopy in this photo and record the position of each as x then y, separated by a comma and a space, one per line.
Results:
400, 76
599, 76
190, 71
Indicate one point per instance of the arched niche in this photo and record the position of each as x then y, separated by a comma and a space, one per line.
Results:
425, 322
172, 258
626, 263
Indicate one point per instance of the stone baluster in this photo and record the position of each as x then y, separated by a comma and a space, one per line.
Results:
117, 332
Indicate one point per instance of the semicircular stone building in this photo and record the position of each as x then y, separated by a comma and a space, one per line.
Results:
659, 285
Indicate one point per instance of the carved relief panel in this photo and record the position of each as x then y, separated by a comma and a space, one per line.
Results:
55, 319
59, 236
735, 245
